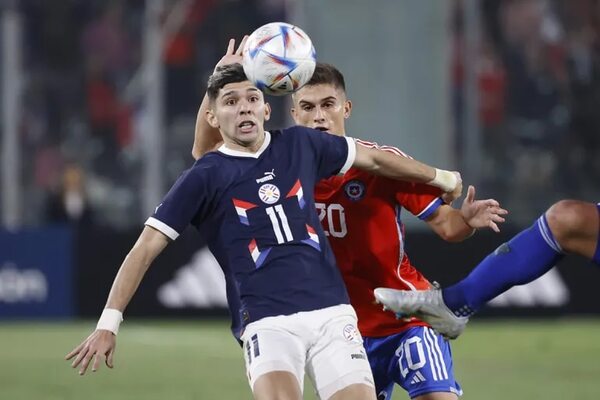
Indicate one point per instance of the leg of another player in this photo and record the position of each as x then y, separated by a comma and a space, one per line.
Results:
357, 391
569, 226
575, 226
277, 385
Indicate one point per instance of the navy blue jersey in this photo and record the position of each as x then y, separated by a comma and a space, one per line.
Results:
264, 229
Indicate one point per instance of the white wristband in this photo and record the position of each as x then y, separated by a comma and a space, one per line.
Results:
110, 320
445, 180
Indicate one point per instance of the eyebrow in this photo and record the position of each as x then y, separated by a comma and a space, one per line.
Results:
319, 101
230, 92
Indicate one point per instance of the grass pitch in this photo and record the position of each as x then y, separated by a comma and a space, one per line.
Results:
551, 360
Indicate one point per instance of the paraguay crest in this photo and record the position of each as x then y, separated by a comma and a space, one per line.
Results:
351, 333
269, 193
355, 190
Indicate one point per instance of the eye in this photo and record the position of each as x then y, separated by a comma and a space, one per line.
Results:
307, 107
230, 102
328, 104
253, 99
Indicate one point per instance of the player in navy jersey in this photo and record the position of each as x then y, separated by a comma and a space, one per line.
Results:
256, 192
567, 227
360, 213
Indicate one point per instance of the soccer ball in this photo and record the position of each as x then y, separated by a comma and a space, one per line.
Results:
279, 58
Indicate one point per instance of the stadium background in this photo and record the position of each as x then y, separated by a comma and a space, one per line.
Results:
98, 107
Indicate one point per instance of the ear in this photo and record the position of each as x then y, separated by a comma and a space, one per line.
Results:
347, 109
267, 111
211, 118
293, 113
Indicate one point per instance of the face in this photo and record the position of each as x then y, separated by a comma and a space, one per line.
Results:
322, 107
239, 112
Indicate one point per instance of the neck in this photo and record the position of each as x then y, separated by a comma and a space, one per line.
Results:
340, 133
251, 147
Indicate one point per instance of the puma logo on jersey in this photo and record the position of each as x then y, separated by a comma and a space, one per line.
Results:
269, 175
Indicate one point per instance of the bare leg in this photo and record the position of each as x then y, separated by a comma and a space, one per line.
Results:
277, 385
575, 226
357, 391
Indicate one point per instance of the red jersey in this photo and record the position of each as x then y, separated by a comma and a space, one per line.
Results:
360, 214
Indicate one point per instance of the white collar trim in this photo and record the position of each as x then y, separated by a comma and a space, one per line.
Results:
236, 153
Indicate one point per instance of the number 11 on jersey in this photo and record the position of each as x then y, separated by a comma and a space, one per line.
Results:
273, 213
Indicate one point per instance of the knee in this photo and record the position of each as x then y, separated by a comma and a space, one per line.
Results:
568, 218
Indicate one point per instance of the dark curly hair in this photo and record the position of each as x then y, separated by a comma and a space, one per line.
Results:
222, 76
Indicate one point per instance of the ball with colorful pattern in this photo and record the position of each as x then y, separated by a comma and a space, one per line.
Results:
279, 58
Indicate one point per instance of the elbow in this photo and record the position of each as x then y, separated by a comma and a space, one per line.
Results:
451, 236
455, 238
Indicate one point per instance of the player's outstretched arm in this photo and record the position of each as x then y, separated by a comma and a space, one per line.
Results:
390, 165
206, 138
100, 345
455, 225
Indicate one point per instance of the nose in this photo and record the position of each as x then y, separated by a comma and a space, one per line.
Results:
244, 107
319, 115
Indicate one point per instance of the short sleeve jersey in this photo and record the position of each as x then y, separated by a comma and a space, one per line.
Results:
361, 215
264, 230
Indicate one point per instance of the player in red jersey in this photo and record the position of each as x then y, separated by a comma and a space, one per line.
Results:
360, 214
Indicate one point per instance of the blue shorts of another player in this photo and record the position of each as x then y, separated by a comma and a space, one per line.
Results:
417, 359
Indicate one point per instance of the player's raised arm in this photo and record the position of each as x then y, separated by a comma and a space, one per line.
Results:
387, 164
206, 138
100, 345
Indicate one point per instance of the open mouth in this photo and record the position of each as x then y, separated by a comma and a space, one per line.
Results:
246, 126
321, 128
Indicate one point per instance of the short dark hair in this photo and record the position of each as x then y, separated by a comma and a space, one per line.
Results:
222, 76
329, 75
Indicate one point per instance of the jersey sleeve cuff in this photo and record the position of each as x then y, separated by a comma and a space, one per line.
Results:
162, 227
430, 209
351, 155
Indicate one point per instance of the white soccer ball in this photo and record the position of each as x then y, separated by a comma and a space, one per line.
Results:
279, 58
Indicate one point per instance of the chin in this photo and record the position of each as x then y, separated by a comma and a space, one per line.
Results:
248, 138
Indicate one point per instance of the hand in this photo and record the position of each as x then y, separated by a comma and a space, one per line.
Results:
481, 213
100, 345
230, 56
449, 197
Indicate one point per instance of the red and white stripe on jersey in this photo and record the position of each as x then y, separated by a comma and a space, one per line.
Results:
258, 256
401, 253
391, 149
313, 238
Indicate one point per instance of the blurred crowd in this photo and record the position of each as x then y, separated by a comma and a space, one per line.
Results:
82, 61
538, 66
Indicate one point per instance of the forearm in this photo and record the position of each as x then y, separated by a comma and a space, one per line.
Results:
149, 245
205, 136
457, 228
391, 165
450, 224
128, 279
402, 168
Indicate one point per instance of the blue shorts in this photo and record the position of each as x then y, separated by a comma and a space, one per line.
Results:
417, 359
